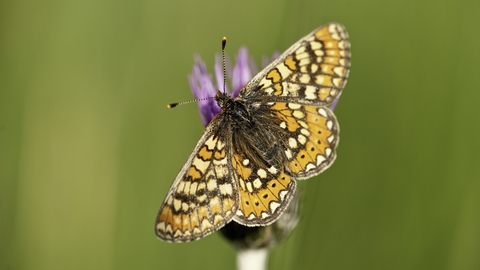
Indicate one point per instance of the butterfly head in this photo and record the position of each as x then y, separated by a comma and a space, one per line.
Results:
223, 99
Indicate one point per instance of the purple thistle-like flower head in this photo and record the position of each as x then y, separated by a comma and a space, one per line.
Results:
203, 86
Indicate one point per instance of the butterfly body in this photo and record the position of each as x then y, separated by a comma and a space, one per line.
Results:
277, 130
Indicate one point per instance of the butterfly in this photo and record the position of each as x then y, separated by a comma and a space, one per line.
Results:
278, 130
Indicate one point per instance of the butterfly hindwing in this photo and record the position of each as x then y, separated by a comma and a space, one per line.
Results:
312, 137
264, 191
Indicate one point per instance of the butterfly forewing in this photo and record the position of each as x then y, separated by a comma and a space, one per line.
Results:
312, 71
204, 196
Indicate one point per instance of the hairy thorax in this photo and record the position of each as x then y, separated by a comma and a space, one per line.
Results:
255, 141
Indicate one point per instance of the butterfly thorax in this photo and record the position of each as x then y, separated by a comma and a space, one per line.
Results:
234, 109
249, 134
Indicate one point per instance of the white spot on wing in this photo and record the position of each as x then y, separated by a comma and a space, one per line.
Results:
291, 88
294, 106
319, 79
292, 143
169, 229
200, 164
273, 170
302, 139
181, 187
262, 173
320, 159
288, 153
257, 183
178, 233
302, 55
305, 132
298, 114
328, 152
210, 143
226, 189
177, 204
339, 70
331, 28
300, 50
304, 78
329, 124
268, 90
316, 45
184, 207
322, 112
212, 185
337, 81
284, 71
331, 138
310, 92
206, 224
220, 145
202, 198
309, 167
242, 183
273, 206
249, 187
161, 226
305, 61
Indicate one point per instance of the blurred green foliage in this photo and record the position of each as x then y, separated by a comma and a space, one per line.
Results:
88, 149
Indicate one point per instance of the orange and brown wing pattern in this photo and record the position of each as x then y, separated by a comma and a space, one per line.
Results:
314, 70
264, 192
312, 137
279, 129
203, 197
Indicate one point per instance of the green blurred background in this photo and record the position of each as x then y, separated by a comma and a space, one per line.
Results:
88, 149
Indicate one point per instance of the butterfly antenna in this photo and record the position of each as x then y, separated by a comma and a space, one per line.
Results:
224, 43
173, 105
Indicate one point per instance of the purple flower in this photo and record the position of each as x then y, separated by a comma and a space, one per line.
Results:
203, 86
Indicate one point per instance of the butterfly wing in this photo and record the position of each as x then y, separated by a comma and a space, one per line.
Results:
218, 183
312, 137
265, 191
299, 86
314, 70
301, 145
204, 195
